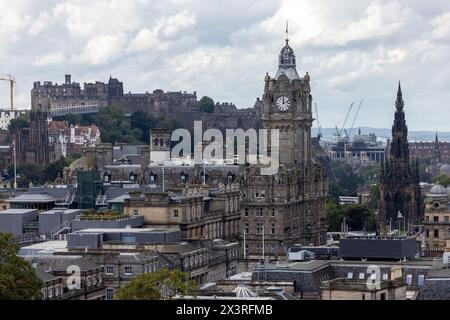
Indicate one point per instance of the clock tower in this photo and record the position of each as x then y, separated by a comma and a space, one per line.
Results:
286, 106
289, 207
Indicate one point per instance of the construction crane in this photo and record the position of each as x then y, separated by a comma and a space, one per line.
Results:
319, 134
343, 131
12, 82
356, 116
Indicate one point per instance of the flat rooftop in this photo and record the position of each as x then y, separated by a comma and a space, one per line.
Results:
17, 211
128, 230
44, 248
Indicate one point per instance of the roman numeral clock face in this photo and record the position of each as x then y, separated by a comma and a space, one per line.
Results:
283, 103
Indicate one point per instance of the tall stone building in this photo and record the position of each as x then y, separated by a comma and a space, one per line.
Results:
399, 179
289, 207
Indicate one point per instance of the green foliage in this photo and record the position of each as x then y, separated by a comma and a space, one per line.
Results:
32, 173
442, 179
21, 122
116, 127
18, 280
334, 216
163, 284
206, 105
358, 217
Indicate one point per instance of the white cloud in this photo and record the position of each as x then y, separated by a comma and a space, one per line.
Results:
49, 59
103, 49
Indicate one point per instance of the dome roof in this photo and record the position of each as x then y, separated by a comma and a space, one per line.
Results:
286, 65
438, 191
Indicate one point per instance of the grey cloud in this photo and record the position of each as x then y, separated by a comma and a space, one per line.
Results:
353, 49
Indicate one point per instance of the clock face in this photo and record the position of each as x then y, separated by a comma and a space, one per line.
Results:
283, 103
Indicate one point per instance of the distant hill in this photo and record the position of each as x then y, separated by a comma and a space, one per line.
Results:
387, 134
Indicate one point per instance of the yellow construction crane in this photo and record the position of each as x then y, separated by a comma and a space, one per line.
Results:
12, 81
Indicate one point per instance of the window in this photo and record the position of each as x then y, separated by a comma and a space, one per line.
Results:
383, 296
152, 178
256, 194
385, 277
409, 279
272, 213
175, 213
273, 248
350, 275
109, 270
136, 212
50, 293
446, 219
428, 233
258, 247
259, 228
263, 194
128, 271
436, 219
4, 207
246, 211
361, 276
427, 218
272, 228
436, 233
109, 294
421, 280
57, 291
259, 212
246, 228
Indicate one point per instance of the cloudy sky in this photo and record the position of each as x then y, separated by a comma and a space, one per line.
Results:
353, 49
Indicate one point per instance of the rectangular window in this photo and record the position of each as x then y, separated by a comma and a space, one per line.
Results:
259, 228
446, 219
256, 194
258, 247
350, 275
427, 218
263, 194
128, 271
428, 233
436, 233
421, 280
109, 270
361, 276
109, 294
409, 279
246, 228
136, 212
436, 219
246, 211
385, 277
272, 228
175, 213
272, 213
259, 212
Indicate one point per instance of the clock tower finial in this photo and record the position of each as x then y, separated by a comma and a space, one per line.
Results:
287, 31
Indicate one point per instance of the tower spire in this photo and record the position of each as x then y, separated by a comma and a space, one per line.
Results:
287, 31
399, 103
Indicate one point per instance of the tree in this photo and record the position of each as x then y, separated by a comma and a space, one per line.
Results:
18, 280
18, 123
442, 179
206, 104
359, 217
163, 284
334, 216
